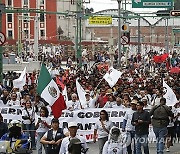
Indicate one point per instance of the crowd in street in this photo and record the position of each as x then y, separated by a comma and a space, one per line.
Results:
139, 89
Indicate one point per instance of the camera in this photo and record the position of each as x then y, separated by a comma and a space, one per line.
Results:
39, 119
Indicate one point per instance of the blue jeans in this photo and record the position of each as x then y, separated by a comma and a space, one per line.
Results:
30, 131
39, 145
141, 140
129, 150
160, 134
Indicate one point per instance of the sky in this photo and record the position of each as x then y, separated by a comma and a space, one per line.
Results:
99, 5
102, 4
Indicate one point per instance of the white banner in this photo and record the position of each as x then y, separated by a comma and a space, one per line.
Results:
86, 119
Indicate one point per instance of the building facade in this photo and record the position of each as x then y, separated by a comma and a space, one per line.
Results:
21, 26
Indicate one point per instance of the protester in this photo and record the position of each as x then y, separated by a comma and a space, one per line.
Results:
141, 120
66, 147
73, 104
53, 137
28, 116
13, 101
18, 140
102, 126
3, 126
129, 127
115, 142
160, 121
90, 102
42, 124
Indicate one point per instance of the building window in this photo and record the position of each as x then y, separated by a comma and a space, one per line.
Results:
42, 33
26, 33
9, 2
25, 18
41, 17
9, 17
10, 35
42, 2
25, 2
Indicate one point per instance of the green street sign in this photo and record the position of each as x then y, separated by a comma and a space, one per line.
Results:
152, 3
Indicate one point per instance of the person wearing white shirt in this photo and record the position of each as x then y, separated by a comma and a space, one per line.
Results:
128, 126
28, 117
42, 124
74, 104
90, 102
102, 128
111, 101
66, 148
156, 98
13, 101
146, 105
118, 103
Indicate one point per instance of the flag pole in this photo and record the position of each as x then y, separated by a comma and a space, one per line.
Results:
98, 84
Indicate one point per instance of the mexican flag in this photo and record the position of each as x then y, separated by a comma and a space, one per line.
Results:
49, 91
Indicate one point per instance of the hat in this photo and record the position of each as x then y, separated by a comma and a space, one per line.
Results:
115, 130
134, 101
72, 124
109, 91
144, 99
54, 120
14, 123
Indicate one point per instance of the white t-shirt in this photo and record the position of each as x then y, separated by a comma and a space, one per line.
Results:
65, 142
42, 127
110, 148
128, 117
13, 103
89, 104
101, 132
74, 105
31, 114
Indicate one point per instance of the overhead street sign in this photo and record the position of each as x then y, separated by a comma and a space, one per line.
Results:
100, 20
152, 3
2, 38
124, 40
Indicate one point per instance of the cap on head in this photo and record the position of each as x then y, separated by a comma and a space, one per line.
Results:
115, 131
14, 123
72, 124
109, 92
134, 102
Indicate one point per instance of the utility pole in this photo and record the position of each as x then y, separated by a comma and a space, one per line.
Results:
36, 33
1, 57
139, 35
119, 32
79, 16
166, 36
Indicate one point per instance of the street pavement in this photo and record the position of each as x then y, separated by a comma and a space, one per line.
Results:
93, 149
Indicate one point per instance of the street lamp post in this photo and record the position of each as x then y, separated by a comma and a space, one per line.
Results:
119, 31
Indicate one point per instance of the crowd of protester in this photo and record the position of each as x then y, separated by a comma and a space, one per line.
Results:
139, 89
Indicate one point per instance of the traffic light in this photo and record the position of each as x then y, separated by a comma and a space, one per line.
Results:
175, 13
125, 27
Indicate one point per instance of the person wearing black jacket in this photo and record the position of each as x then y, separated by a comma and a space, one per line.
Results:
53, 137
141, 120
3, 126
